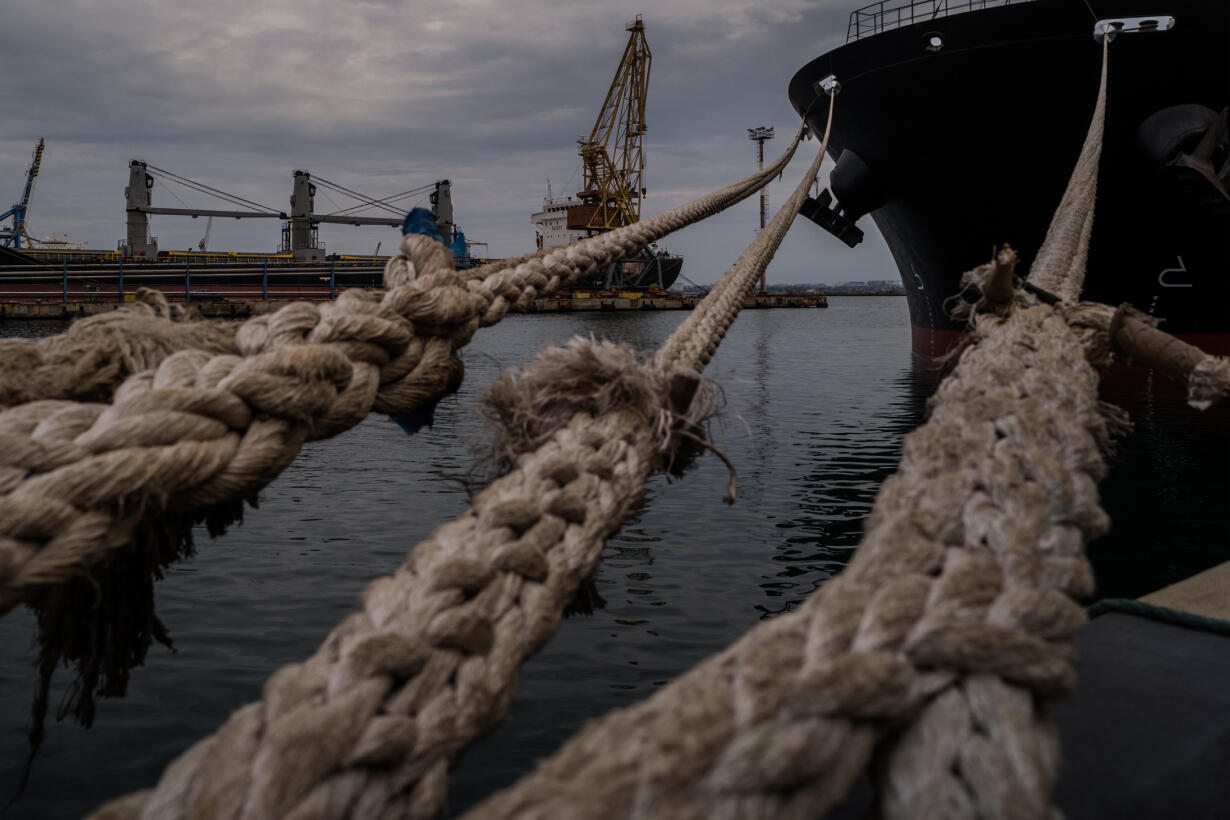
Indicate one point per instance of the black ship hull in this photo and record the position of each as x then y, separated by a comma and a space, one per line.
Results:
641, 272
970, 146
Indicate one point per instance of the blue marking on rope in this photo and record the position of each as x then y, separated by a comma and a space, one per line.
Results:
422, 221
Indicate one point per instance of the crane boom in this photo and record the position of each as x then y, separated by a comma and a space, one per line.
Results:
612, 159
204, 243
11, 238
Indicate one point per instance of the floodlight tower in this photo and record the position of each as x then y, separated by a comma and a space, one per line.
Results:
759, 136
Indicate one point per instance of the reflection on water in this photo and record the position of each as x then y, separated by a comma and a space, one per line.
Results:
817, 402
1167, 492
833, 496
816, 405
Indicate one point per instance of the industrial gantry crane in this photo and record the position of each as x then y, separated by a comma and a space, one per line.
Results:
299, 232
612, 158
11, 237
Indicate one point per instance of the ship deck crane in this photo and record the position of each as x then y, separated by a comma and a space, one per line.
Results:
12, 237
204, 243
612, 158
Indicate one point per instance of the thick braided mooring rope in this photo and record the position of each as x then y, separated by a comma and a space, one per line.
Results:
371, 723
203, 414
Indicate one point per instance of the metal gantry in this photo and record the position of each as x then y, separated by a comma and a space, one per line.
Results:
299, 233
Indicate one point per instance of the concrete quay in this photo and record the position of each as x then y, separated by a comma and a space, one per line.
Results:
26, 309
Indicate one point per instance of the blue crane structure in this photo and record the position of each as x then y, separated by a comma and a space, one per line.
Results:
10, 237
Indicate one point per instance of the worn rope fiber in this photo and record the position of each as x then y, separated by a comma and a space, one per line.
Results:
217, 413
371, 723
94, 356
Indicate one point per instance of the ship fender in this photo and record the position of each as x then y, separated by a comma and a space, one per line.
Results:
858, 192
1171, 137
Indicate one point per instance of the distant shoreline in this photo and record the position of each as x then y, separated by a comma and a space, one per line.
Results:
864, 293
822, 292
866, 287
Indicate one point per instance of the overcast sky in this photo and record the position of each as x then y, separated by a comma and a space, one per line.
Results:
385, 96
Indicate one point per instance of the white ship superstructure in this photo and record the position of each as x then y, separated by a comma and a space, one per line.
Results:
56, 243
551, 223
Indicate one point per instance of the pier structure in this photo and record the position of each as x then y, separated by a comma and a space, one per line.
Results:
222, 284
936, 651
205, 301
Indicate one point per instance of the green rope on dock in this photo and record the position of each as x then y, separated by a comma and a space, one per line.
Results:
1166, 615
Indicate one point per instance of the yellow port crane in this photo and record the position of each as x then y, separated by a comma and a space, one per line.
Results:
612, 159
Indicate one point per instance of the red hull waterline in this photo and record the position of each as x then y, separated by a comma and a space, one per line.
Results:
1122, 384
931, 345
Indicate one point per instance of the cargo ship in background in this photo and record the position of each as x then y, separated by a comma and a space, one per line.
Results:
958, 125
558, 226
612, 168
59, 270
300, 244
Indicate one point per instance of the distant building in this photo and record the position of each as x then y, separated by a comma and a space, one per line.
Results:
875, 286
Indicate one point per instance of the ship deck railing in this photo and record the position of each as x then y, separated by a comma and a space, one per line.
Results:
890, 14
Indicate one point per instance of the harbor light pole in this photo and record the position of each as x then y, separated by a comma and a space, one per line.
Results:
759, 136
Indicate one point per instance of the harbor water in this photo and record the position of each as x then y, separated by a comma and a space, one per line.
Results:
816, 405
